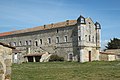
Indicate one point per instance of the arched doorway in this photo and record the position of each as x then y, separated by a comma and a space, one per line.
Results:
70, 57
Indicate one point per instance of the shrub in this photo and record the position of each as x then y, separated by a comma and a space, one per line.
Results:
56, 58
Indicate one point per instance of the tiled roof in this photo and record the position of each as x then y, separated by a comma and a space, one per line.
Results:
34, 54
108, 53
45, 27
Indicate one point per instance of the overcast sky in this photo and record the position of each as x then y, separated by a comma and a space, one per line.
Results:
20, 14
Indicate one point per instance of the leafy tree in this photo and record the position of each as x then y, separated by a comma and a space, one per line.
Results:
113, 44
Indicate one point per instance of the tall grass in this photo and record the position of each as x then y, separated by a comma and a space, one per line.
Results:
67, 71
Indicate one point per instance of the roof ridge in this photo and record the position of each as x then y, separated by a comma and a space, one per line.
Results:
44, 27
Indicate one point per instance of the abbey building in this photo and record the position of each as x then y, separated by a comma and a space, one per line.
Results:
75, 40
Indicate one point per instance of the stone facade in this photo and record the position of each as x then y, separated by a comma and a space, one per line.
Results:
5, 61
75, 40
110, 55
107, 56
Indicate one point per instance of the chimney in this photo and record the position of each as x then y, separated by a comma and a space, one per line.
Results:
52, 25
67, 22
44, 26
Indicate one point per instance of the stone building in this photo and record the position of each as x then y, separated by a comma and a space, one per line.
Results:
75, 40
110, 55
5, 61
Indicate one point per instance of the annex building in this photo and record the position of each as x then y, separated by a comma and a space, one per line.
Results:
75, 40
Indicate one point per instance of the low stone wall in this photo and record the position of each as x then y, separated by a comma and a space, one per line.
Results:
5, 63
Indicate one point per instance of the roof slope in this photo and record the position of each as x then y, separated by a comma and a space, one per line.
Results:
45, 27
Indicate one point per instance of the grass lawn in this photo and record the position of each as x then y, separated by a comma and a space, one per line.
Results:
67, 71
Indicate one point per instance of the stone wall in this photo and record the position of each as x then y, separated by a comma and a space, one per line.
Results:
65, 41
5, 63
108, 57
62, 48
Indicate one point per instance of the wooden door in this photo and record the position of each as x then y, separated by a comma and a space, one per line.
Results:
89, 55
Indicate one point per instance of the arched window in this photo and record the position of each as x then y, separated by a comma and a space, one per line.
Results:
49, 40
30, 42
14, 44
36, 43
57, 39
40, 41
20, 43
65, 38
26, 42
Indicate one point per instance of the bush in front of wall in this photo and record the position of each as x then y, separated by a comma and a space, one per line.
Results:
56, 58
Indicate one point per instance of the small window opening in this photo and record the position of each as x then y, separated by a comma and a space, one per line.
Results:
36, 43
65, 38
49, 40
57, 39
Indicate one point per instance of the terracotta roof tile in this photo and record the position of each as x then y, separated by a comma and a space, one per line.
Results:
5, 33
108, 53
34, 54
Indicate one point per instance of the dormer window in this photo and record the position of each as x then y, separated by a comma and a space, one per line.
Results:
81, 20
98, 26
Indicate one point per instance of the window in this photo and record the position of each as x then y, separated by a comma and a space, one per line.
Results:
70, 57
89, 38
82, 20
86, 37
57, 30
26, 43
93, 39
36, 43
79, 38
10, 43
65, 38
20, 43
14, 44
49, 40
30, 42
40, 41
118, 56
57, 39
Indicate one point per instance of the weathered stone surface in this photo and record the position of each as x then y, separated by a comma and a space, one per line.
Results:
72, 40
5, 63
45, 57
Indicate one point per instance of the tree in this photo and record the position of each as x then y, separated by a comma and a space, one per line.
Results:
113, 44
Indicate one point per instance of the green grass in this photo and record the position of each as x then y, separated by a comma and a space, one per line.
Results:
67, 71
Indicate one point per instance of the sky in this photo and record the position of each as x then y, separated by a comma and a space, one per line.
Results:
21, 14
